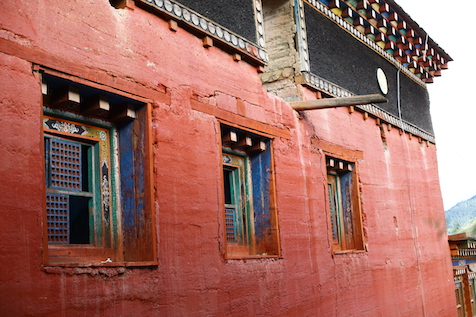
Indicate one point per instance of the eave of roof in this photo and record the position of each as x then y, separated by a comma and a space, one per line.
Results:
405, 16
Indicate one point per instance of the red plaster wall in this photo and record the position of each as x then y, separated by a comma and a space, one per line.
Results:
406, 271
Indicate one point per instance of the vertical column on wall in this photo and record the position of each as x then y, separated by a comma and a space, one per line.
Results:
467, 294
303, 48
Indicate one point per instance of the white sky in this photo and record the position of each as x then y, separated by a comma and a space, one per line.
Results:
452, 107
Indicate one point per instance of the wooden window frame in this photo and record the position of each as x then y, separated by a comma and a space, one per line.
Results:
344, 207
99, 247
98, 180
130, 239
243, 216
260, 236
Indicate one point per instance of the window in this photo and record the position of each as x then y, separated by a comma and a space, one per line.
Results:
77, 166
98, 206
344, 205
248, 184
234, 179
459, 298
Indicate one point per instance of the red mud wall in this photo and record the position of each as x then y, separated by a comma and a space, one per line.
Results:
405, 272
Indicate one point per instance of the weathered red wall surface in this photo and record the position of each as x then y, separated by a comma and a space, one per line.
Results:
406, 271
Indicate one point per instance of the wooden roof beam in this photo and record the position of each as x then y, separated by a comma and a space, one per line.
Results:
337, 102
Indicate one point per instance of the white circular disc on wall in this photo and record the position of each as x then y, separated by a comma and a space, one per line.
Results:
382, 81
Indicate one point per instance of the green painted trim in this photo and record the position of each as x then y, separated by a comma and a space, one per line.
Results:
95, 215
115, 186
